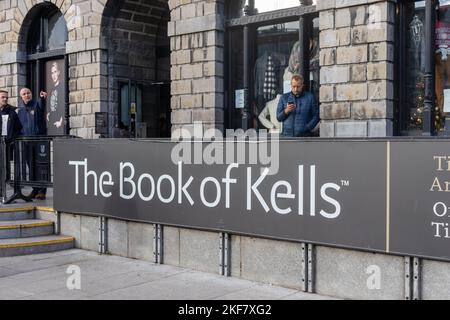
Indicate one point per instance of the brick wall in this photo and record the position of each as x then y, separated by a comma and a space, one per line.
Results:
357, 70
89, 47
197, 58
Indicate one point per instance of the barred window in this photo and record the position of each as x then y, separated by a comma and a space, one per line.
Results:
268, 42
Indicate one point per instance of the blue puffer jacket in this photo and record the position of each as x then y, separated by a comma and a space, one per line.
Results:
303, 119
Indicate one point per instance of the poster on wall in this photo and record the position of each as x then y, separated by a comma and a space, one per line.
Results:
56, 99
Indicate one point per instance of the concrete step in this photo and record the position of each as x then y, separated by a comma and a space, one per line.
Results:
35, 245
11, 214
25, 228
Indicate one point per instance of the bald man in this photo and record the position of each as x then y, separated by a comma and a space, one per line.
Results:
32, 117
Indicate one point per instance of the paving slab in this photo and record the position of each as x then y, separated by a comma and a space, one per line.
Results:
45, 277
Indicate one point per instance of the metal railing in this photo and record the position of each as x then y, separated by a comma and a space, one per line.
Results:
3, 169
26, 162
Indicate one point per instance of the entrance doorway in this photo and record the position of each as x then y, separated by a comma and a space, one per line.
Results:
138, 69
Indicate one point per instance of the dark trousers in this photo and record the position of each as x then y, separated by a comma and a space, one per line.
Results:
29, 165
9, 150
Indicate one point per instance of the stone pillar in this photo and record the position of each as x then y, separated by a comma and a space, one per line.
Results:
12, 69
196, 32
357, 67
87, 63
88, 85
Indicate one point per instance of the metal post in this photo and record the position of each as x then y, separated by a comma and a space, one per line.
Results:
429, 104
221, 249
308, 267
311, 268
103, 235
408, 277
301, 51
225, 254
246, 112
3, 162
305, 267
416, 292
158, 245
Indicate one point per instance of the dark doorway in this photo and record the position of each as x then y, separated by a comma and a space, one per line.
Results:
138, 68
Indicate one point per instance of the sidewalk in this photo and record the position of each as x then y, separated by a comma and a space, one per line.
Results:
44, 277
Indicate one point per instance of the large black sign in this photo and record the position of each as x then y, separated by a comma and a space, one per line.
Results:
330, 193
370, 195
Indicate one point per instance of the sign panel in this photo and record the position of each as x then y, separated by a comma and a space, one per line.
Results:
420, 206
240, 99
101, 123
55, 73
323, 192
382, 196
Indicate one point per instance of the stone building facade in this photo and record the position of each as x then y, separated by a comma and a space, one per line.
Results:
113, 40
173, 56
357, 68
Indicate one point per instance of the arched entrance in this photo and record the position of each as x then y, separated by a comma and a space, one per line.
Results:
138, 67
43, 38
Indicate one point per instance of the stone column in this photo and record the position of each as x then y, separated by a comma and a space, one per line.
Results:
357, 67
88, 85
12, 67
196, 32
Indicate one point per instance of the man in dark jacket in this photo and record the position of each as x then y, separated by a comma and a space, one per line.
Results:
298, 110
32, 118
13, 127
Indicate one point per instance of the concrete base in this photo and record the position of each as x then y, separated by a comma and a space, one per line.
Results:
435, 280
275, 262
339, 273
359, 275
131, 240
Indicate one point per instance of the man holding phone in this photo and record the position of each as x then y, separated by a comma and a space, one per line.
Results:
298, 110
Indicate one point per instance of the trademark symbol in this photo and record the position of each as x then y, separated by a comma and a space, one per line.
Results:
345, 183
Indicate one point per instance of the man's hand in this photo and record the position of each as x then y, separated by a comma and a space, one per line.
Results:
289, 108
43, 95
58, 124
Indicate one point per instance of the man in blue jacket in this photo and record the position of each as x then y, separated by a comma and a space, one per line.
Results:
298, 110
32, 117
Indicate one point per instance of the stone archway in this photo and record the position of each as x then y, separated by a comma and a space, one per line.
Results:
138, 67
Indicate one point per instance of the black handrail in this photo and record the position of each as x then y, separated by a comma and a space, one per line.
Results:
34, 152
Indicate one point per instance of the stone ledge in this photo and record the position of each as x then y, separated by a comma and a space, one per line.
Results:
194, 25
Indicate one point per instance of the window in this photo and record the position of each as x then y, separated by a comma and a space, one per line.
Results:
131, 109
47, 65
424, 67
142, 110
265, 49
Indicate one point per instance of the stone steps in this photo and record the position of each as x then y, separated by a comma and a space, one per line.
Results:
25, 228
35, 245
22, 234
16, 214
